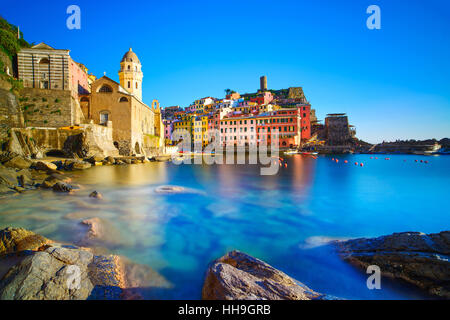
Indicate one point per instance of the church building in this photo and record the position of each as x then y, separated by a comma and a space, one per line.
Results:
137, 128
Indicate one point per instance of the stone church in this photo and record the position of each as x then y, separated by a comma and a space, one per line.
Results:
71, 97
137, 128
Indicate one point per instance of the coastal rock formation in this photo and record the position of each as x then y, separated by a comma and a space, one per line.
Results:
44, 165
62, 187
238, 276
414, 257
58, 273
18, 162
11, 179
18, 239
32, 268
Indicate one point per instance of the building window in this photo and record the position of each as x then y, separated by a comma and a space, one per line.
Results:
123, 99
129, 84
105, 89
104, 117
136, 85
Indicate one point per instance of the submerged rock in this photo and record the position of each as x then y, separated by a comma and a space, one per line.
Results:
238, 276
414, 257
96, 195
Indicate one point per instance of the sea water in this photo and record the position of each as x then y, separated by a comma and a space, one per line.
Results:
285, 220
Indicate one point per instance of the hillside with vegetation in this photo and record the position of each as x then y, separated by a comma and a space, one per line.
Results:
10, 45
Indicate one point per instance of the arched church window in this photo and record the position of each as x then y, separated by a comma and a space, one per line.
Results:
123, 99
105, 89
129, 67
44, 61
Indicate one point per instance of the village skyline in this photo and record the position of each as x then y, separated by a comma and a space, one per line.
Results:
367, 74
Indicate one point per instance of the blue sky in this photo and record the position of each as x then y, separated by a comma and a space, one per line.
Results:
393, 83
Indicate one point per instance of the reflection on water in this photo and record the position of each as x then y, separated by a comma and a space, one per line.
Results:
280, 219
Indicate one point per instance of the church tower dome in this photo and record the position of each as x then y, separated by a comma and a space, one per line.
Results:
130, 74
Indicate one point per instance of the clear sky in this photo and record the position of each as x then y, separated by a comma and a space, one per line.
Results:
393, 83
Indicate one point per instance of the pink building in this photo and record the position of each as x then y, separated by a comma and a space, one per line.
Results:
239, 131
168, 129
79, 78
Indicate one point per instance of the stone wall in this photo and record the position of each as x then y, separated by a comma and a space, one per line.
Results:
38, 142
49, 108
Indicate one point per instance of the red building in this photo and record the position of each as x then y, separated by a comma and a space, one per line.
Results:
285, 121
305, 115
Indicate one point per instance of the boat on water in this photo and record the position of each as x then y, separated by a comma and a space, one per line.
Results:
309, 153
291, 151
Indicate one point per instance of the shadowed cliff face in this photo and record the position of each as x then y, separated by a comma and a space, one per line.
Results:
10, 114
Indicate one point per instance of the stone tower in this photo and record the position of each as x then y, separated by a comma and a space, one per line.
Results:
263, 83
130, 74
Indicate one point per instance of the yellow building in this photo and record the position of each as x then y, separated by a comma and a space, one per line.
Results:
137, 128
184, 124
200, 130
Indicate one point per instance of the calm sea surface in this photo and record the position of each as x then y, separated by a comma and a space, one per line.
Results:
280, 219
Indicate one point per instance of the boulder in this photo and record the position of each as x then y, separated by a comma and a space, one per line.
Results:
66, 272
44, 165
94, 159
110, 160
24, 178
62, 187
54, 274
18, 162
76, 146
74, 164
18, 239
8, 176
81, 165
52, 179
238, 276
96, 195
414, 257
5, 156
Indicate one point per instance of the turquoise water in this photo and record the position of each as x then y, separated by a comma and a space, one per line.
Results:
280, 219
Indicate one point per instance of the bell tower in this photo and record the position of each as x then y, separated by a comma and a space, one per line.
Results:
130, 74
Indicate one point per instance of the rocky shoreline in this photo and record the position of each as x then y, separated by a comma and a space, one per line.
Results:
422, 260
19, 174
33, 267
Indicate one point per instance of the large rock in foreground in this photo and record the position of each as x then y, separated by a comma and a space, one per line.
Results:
33, 269
238, 276
414, 257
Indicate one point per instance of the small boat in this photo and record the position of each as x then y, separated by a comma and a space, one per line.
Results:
291, 152
310, 153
